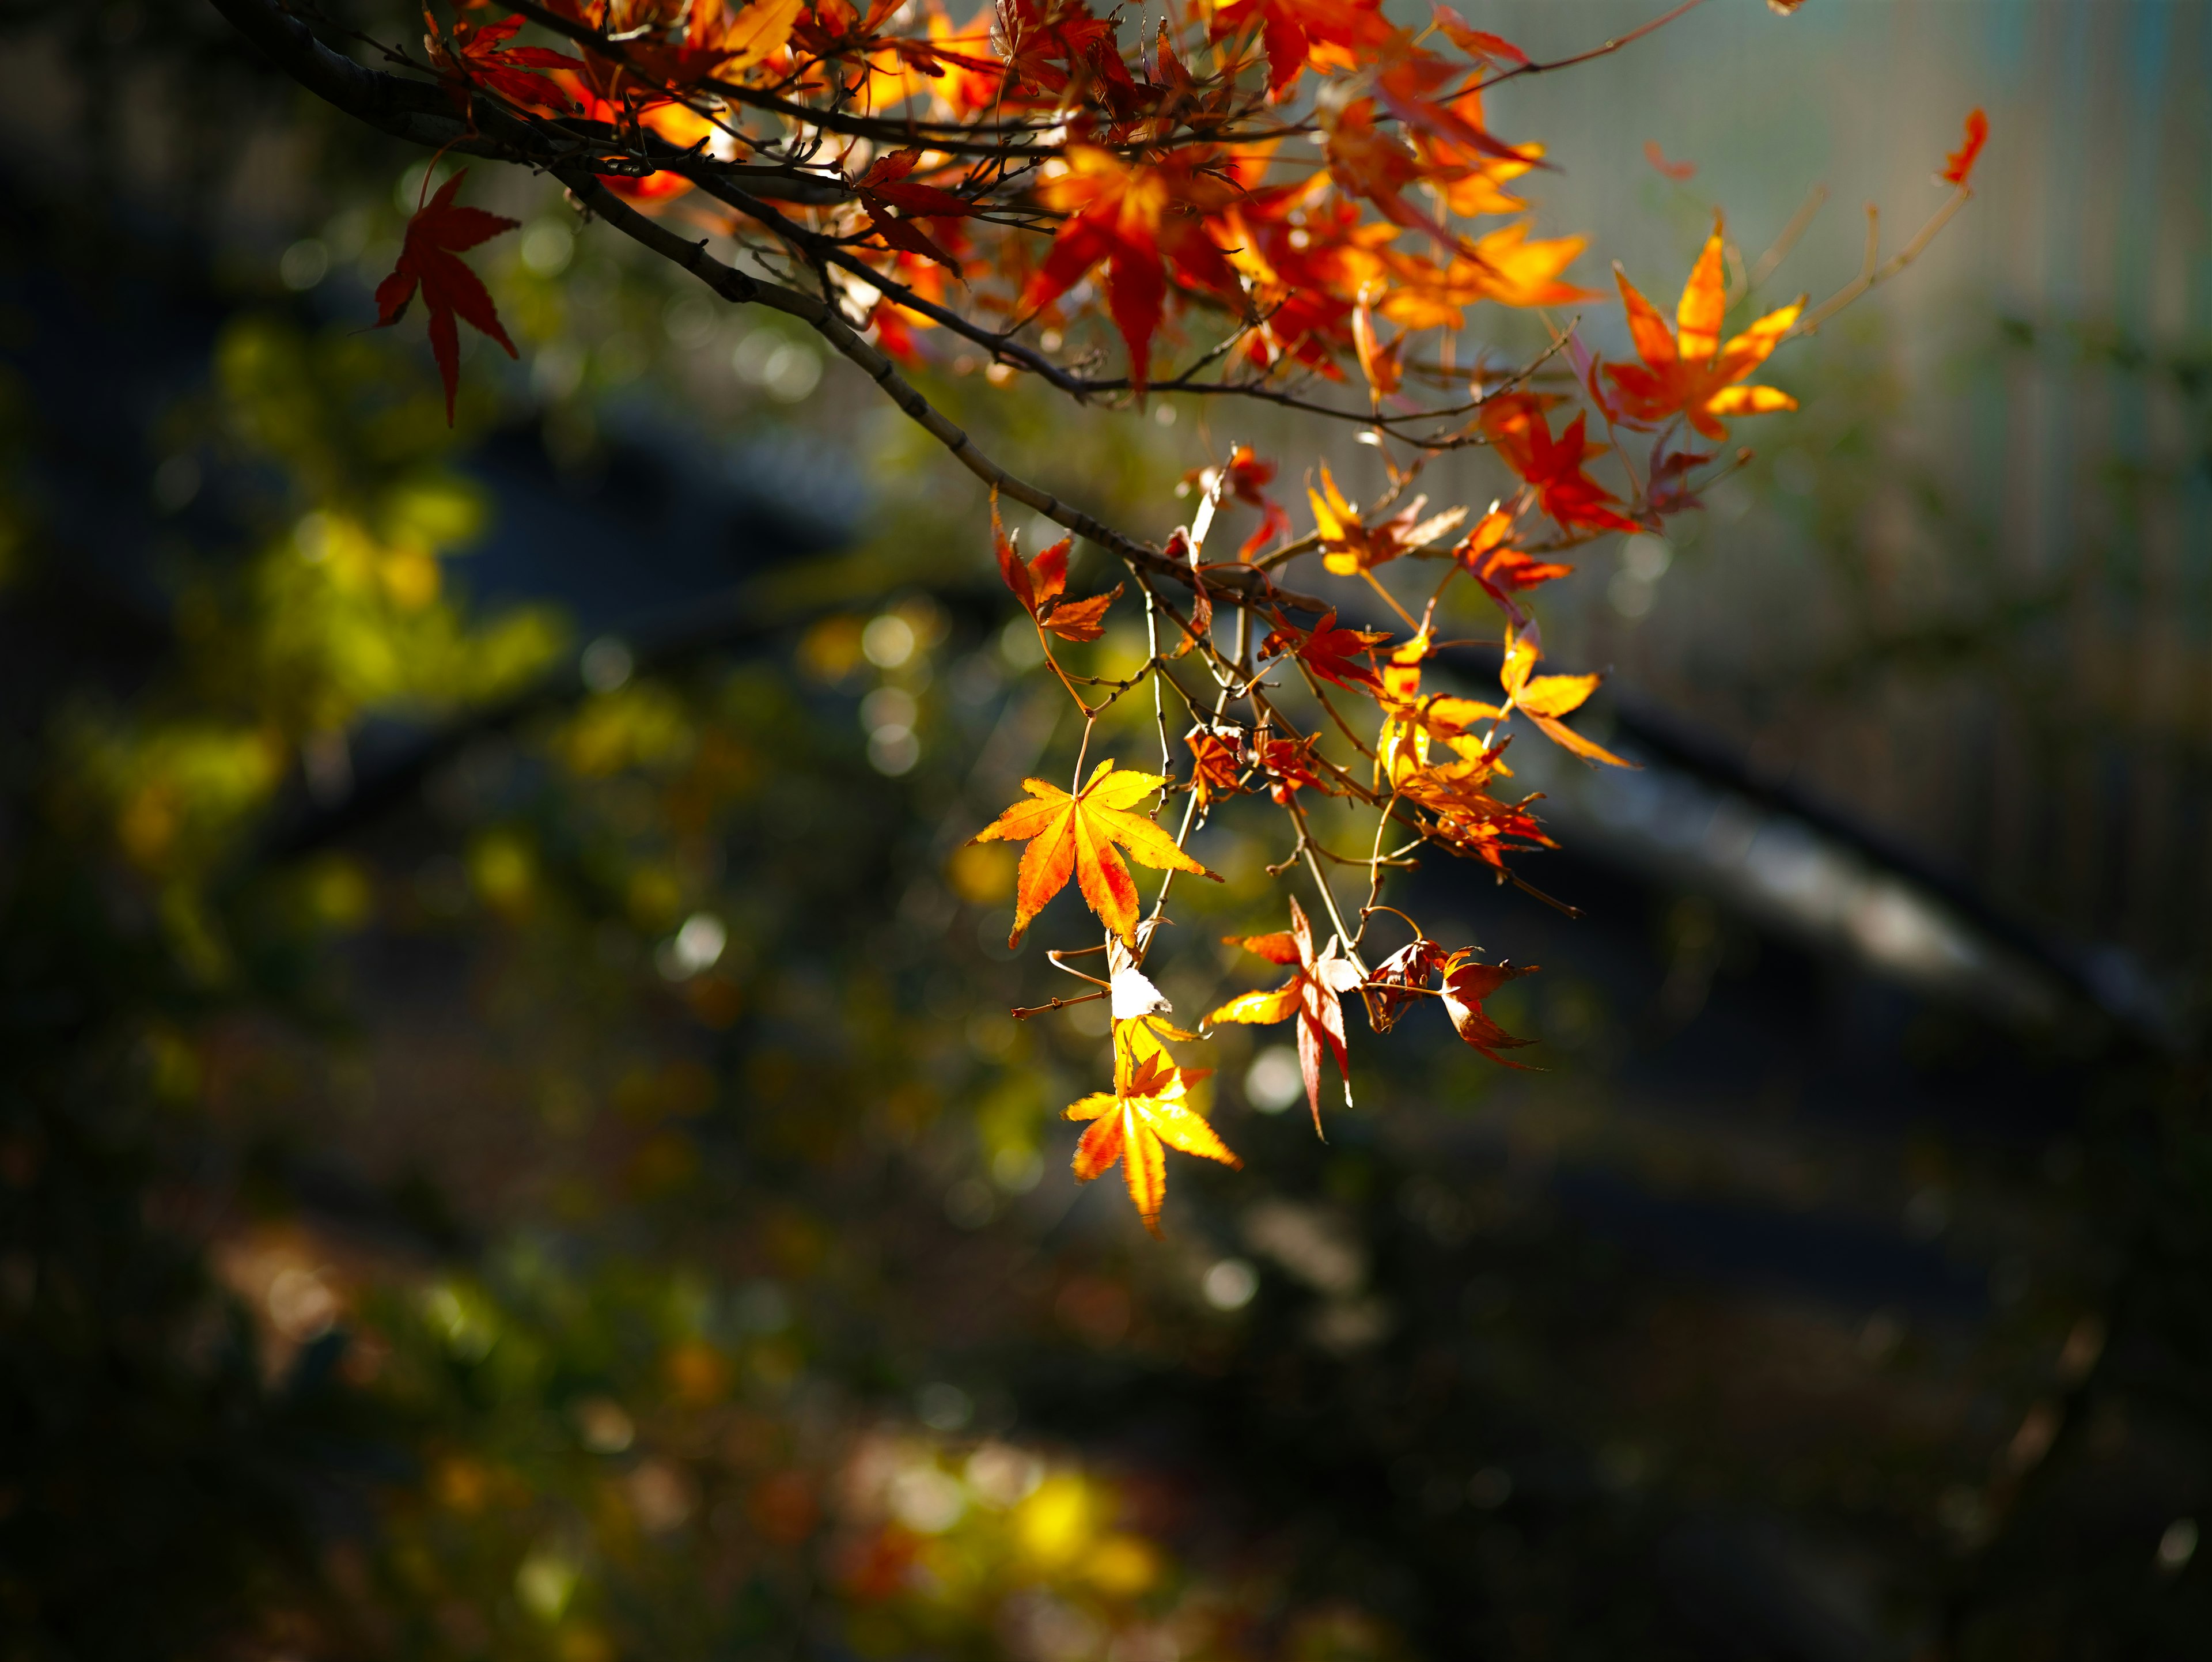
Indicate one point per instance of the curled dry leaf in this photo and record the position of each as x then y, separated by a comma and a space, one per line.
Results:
1399, 980
1466, 984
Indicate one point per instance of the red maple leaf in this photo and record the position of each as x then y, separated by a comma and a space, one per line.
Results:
1556, 465
1143, 222
886, 186
1328, 650
429, 259
480, 54
1330, 34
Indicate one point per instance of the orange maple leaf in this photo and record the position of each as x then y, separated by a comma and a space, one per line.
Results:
1143, 222
1688, 371
1478, 44
1313, 994
1039, 585
1290, 767
1216, 761
1960, 164
1148, 1106
429, 259
1074, 836
1246, 477
1502, 571
1504, 266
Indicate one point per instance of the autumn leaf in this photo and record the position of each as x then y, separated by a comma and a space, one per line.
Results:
1381, 364
1959, 166
1246, 477
1328, 650
479, 54
1145, 222
886, 186
1466, 984
1312, 995
1326, 34
1216, 761
1074, 836
1478, 44
1148, 1107
1289, 766
1349, 547
1038, 586
1503, 571
1366, 159
1556, 467
1465, 818
1666, 486
429, 259
1688, 371
1412, 722
1472, 179
1545, 698
1504, 266
1398, 980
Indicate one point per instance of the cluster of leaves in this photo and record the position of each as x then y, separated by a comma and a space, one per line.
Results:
1302, 183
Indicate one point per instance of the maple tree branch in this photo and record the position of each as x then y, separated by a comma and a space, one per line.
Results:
953, 137
1874, 275
1770, 261
824, 319
1022, 1013
1327, 895
1610, 46
423, 112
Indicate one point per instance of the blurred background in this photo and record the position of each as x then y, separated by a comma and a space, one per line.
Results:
511, 1144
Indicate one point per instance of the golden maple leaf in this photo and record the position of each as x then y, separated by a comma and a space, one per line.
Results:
1148, 1106
1074, 836
1545, 698
1411, 721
